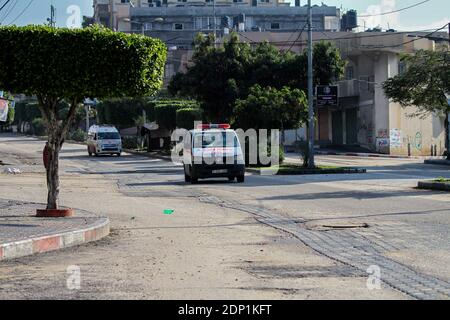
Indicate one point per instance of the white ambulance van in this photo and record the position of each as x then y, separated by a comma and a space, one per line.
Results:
212, 151
104, 139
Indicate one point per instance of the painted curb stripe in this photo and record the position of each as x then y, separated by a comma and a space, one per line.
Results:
47, 244
28, 247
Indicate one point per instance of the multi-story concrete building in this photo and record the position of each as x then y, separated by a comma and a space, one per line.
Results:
364, 116
179, 20
176, 22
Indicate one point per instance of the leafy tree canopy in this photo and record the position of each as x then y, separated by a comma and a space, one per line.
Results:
424, 83
219, 76
78, 63
271, 108
56, 64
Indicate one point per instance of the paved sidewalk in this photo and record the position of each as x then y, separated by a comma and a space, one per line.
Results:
21, 233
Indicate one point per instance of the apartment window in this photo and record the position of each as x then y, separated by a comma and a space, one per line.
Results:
274, 26
401, 67
349, 73
264, 1
148, 26
178, 26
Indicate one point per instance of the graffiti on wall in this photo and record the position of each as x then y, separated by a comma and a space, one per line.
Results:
382, 138
395, 138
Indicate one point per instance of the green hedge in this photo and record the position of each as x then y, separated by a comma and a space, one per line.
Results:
166, 116
78, 135
38, 127
166, 112
123, 112
187, 116
26, 112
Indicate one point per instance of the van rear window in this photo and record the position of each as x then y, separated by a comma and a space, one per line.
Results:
215, 140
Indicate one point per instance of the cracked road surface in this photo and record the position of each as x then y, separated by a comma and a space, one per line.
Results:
277, 237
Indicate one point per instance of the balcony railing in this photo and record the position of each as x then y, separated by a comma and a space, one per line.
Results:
348, 88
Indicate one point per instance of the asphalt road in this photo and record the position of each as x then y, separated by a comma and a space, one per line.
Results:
281, 237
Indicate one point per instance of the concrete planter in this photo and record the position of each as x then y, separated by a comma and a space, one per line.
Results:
432, 185
52, 213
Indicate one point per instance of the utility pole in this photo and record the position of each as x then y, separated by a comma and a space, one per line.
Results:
214, 23
111, 15
311, 131
52, 20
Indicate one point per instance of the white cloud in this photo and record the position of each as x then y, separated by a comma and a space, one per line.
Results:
392, 20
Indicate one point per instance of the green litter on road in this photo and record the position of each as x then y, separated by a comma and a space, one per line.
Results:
168, 211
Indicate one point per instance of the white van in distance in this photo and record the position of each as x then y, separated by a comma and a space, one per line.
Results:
104, 139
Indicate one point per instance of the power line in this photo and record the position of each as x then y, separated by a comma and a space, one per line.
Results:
10, 9
22, 12
353, 36
299, 36
395, 11
4, 5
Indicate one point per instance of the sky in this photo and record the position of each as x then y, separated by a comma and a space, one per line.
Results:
431, 15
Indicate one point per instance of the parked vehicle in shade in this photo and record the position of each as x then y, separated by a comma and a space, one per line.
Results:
211, 151
104, 139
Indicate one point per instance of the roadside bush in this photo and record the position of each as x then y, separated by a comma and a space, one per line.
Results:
185, 117
26, 112
302, 147
38, 127
78, 135
166, 111
166, 116
122, 112
130, 142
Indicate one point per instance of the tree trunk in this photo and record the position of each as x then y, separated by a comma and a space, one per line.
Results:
53, 174
56, 133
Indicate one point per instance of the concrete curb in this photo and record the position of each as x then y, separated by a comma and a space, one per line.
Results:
431, 185
307, 172
374, 155
146, 154
442, 162
56, 241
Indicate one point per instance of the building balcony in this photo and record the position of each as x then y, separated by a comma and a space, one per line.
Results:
348, 88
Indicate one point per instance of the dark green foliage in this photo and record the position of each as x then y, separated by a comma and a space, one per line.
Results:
166, 116
26, 112
187, 116
423, 85
122, 112
60, 64
270, 108
166, 112
11, 115
78, 135
130, 142
38, 127
238, 67
78, 63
